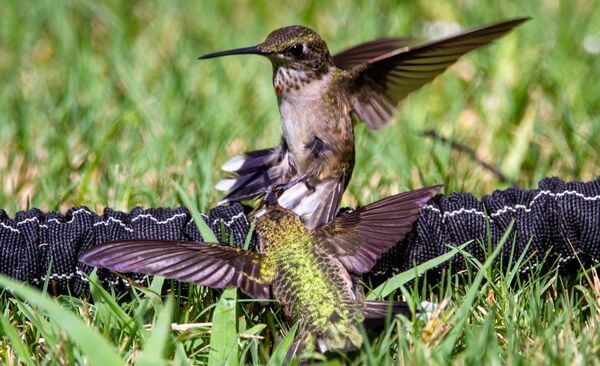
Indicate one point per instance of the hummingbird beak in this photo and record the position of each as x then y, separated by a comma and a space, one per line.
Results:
254, 50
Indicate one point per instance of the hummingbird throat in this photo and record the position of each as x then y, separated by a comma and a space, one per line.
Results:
288, 80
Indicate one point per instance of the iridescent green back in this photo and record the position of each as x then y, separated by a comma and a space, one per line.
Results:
310, 283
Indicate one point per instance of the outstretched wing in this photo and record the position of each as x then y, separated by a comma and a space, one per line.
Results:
379, 84
360, 237
204, 264
359, 54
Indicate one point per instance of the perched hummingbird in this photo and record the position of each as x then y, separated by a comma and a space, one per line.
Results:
319, 96
306, 270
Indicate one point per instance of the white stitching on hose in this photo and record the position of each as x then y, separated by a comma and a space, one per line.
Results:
68, 276
121, 223
117, 221
456, 212
543, 193
81, 210
462, 210
10, 228
228, 223
148, 216
506, 209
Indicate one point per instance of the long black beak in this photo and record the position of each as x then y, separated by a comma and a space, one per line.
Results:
254, 50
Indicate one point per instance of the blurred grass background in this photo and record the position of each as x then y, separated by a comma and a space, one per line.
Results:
103, 103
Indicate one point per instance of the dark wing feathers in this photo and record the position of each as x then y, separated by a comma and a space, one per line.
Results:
360, 237
380, 83
359, 54
205, 264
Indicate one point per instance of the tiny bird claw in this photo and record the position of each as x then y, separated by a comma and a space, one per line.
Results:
272, 189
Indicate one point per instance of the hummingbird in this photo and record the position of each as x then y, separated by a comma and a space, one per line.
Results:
308, 271
320, 96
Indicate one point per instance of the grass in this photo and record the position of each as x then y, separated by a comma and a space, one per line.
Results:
104, 104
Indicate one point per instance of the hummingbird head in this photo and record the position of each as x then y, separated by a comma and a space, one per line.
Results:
298, 48
294, 47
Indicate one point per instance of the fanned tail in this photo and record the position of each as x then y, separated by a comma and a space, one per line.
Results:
254, 171
316, 205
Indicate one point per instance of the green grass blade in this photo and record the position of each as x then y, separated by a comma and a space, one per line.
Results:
513, 270
223, 337
97, 349
523, 135
249, 237
98, 292
156, 345
466, 304
157, 284
19, 348
278, 357
255, 329
181, 358
204, 229
47, 280
400, 279
42, 326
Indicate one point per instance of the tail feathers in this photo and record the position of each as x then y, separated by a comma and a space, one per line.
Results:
250, 185
317, 205
253, 161
254, 171
346, 337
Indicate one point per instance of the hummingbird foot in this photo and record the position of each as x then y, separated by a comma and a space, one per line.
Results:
274, 188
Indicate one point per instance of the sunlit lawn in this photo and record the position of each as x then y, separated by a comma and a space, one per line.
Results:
104, 104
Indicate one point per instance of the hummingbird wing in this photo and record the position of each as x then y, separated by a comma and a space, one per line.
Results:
359, 54
201, 263
359, 238
379, 84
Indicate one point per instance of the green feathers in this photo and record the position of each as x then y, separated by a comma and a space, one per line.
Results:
306, 270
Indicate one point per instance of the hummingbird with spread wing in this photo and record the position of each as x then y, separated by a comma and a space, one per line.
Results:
320, 96
306, 270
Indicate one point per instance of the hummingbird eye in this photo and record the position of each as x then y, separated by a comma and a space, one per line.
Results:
296, 50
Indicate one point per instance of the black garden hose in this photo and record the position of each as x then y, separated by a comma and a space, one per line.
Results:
552, 223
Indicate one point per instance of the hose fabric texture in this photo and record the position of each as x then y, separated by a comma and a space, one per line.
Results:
556, 224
